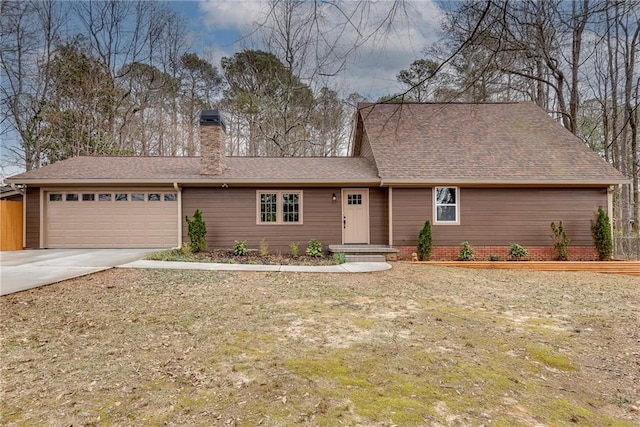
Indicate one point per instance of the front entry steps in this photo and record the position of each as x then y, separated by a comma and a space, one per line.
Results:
365, 253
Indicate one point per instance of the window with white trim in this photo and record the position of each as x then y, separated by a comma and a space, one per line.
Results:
279, 207
446, 205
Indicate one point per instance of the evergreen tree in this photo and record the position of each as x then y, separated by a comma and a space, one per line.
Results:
425, 242
197, 232
601, 232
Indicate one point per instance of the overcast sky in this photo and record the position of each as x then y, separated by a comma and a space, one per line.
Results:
218, 26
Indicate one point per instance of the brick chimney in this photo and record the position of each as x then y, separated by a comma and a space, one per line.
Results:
212, 143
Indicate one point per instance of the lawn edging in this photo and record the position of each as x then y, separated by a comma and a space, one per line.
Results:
611, 267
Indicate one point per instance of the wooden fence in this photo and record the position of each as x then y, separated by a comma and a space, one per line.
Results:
10, 225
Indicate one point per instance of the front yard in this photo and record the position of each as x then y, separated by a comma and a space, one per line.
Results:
416, 345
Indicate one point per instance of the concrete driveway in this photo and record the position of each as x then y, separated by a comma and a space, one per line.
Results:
21, 270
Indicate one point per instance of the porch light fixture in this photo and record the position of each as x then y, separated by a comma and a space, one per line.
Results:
334, 197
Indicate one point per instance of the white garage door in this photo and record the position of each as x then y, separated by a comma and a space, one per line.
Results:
111, 219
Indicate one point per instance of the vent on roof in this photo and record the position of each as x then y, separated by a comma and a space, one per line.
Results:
211, 118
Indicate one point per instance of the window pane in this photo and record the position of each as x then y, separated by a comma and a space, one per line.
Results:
446, 213
268, 206
137, 197
354, 199
122, 197
104, 197
154, 197
291, 207
72, 197
88, 197
445, 195
55, 197
170, 197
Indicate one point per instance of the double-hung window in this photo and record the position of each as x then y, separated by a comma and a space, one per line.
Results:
279, 207
447, 205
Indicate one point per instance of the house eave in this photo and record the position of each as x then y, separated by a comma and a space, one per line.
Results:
220, 181
198, 182
503, 183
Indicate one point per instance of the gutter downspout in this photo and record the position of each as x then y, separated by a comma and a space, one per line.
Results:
389, 211
390, 207
22, 191
41, 241
179, 190
610, 190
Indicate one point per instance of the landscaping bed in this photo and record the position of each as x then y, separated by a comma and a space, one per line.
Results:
415, 345
251, 257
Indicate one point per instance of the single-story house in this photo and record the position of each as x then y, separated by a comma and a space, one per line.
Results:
490, 174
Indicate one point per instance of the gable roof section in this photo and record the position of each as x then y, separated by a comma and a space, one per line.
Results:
488, 144
186, 170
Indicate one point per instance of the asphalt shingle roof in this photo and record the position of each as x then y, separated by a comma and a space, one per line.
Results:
478, 143
187, 169
412, 144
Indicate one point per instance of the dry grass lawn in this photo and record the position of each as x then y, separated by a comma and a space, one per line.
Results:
417, 345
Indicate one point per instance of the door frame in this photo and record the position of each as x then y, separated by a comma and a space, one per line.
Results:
365, 192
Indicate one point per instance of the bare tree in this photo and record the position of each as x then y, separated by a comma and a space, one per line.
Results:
420, 79
201, 84
559, 53
30, 33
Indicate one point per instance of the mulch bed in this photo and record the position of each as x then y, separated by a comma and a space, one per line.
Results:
254, 257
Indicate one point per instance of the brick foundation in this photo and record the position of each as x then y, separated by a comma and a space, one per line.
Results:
482, 253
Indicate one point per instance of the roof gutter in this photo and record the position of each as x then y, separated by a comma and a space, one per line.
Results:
318, 182
503, 183
183, 182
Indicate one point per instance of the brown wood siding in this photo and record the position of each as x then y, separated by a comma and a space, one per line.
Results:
33, 218
365, 149
411, 208
378, 216
493, 216
230, 215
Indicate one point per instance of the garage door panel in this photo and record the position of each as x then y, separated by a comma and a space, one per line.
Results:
107, 224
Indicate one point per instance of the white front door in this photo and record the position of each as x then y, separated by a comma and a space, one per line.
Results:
355, 216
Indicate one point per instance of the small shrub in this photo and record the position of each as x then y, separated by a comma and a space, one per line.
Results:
466, 252
339, 258
240, 247
197, 231
294, 247
314, 248
601, 233
560, 242
517, 252
186, 249
425, 242
264, 248
494, 258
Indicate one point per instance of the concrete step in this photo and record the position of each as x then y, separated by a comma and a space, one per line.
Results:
366, 253
362, 249
365, 258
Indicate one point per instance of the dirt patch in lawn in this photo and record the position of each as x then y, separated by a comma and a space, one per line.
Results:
416, 345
